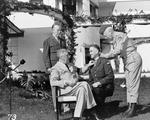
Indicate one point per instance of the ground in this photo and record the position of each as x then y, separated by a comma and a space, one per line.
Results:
37, 109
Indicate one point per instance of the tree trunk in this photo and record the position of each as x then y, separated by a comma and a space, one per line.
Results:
2, 56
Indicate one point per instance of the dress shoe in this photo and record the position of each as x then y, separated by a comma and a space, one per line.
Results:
132, 111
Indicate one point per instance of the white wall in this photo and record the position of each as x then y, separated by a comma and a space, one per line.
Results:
89, 35
144, 50
138, 30
86, 7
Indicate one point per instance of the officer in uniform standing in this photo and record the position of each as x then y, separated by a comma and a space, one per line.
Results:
125, 47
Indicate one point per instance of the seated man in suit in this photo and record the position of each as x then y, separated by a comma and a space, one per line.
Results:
63, 76
101, 76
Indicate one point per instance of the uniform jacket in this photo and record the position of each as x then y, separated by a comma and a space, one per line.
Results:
101, 72
126, 48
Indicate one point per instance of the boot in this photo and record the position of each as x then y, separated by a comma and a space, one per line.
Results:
126, 112
132, 111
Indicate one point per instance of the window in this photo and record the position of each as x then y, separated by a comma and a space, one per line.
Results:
69, 7
93, 9
87, 55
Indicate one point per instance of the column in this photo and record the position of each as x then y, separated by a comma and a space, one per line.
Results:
86, 7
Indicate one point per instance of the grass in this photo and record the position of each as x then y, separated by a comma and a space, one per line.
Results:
27, 108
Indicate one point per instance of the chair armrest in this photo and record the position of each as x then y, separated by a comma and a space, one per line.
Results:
58, 92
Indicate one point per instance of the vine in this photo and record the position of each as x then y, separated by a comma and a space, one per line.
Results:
69, 23
7, 6
119, 21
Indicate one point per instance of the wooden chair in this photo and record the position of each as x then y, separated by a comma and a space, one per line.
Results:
62, 99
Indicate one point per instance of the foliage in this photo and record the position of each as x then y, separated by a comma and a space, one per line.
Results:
6, 6
34, 84
119, 21
68, 35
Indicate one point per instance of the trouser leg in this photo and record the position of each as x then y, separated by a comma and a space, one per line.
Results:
85, 98
133, 82
81, 102
99, 95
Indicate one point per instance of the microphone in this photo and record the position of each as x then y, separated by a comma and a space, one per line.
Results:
22, 61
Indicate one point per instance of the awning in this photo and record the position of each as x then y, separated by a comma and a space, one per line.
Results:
13, 30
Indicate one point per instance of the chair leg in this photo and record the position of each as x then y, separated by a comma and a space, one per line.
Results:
59, 107
57, 111
57, 115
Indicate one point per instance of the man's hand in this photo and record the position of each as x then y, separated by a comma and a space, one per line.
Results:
102, 55
70, 79
49, 70
91, 62
70, 83
96, 84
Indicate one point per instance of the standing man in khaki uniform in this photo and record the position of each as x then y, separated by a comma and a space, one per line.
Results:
125, 47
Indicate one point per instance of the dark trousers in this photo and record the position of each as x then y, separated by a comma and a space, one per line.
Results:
100, 93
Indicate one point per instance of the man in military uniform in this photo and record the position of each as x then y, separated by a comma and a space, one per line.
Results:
101, 76
132, 61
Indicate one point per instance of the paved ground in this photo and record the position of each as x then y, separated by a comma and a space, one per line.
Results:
121, 75
36, 109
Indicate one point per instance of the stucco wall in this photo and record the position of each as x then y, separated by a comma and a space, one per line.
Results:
85, 36
28, 48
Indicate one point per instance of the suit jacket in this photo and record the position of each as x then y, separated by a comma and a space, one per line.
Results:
101, 72
50, 47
